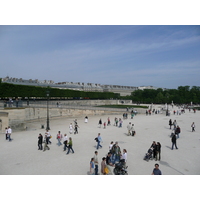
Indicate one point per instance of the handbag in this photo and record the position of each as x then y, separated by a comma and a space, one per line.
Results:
106, 170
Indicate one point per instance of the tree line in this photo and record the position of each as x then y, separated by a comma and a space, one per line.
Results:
8, 90
181, 95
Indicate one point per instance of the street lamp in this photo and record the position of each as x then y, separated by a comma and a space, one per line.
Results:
47, 93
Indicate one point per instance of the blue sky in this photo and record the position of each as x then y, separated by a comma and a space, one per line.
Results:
161, 56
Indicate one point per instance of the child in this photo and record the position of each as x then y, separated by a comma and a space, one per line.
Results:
92, 166
104, 124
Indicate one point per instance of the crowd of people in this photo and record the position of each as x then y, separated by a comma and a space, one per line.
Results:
114, 153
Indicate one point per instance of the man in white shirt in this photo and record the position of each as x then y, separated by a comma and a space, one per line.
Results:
9, 131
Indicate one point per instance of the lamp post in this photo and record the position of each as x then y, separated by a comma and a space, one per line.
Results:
47, 93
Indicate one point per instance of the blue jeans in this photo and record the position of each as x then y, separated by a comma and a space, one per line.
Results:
59, 143
9, 139
98, 144
96, 169
70, 148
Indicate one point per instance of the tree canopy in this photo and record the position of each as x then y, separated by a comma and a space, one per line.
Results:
181, 95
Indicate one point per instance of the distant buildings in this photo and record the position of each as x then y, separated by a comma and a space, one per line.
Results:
93, 87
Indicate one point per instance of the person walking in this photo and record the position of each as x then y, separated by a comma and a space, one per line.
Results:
65, 141
92, 166
133, 130
59, 138
46, 144
129, 128
120, 123
48, 136
86, 119
70, 146
177, 131
110, 146
108, 124
99, 140
9, 131
103, 166
100, 123
40, 139
76, 129
6, 133
71, 128
158, 151
96, 162
170, 124
156, 170
174, 141
175, 124
124, 156
193, 127
154, 149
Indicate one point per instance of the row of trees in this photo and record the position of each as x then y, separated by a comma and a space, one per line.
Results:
182, 95
12, 90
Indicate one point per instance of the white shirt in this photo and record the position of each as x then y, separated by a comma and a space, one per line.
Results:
65, 138
9, 130
124, 156
110, 146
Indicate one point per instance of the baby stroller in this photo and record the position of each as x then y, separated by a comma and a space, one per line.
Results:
149, 155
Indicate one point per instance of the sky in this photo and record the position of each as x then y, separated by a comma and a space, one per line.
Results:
130, 55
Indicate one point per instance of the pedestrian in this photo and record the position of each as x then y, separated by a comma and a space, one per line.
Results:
124, 156
129, 128
40, 139
193, 127
86, 119
65, 141
9, 131
104, 125
109, 164
103, 166
154, 149
92, 166
59, 138
116, 152
99, 140
158, 151
100, 123
71, 128
70, 146
132, 130
76, 129
156, 170
175, 124
116, 122
177, 131
46, 144
120, 123
108, 124
96, 163
6, 133
174, 141
110, 146
48, 136
170, 123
